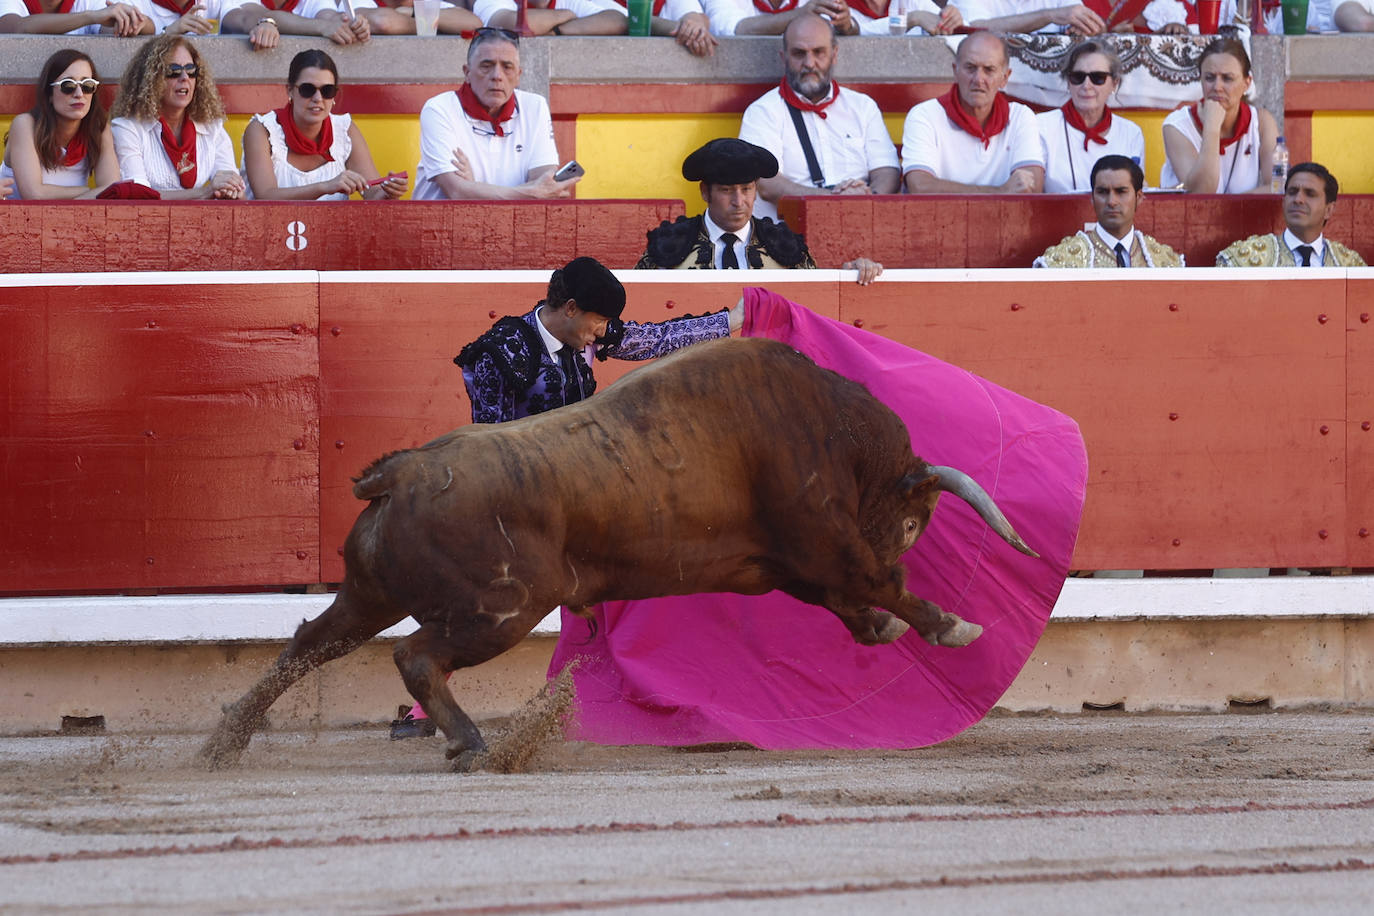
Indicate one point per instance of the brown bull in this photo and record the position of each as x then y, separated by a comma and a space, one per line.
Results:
730, 466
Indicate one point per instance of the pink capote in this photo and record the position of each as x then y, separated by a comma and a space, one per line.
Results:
777, 673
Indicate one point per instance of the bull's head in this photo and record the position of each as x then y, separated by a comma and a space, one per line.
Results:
924, 491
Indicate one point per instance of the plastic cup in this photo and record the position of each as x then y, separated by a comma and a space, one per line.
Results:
1209, 16
427, 17
641, 16
1295, 17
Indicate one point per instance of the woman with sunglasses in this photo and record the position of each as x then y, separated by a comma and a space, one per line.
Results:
169, 124
1085, 129
1221, 144
303, 151
52, 149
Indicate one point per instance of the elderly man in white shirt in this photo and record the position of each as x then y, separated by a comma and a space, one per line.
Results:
973, 139
84, 17
848, 140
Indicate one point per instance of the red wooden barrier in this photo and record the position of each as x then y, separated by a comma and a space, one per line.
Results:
343, 235
1359, 419
941, 230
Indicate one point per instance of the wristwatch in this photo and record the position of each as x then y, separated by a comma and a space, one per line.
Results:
269, 19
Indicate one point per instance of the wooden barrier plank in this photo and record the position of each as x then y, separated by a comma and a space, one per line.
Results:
1198, 431
1359, 426
158, 436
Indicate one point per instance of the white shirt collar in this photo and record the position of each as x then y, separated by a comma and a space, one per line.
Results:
715, 232
551, 343
1111, 241
1318, 248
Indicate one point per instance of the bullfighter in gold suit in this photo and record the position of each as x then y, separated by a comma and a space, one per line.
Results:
1309, 197
1114, 241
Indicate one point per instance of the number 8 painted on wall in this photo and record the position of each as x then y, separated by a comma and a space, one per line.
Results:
295, 238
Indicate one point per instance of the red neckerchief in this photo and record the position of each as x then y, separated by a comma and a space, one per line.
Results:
297, 142
76, 151
1242, 125
862, 7
477, 111
36, 7
1115, 12
1096, 134
789, 95
181, 9
182, 152
280, 6
997, 120
763, 6
659, 4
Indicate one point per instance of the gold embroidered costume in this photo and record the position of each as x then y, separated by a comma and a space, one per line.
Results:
1086, 249
1271, 251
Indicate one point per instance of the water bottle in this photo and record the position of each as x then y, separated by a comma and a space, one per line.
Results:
1280, 178
896, 17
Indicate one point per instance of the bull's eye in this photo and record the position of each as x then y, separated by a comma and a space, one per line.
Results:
910, 525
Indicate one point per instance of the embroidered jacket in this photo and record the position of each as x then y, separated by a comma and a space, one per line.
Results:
1270, 251
1086, 249
685, 245
509, 373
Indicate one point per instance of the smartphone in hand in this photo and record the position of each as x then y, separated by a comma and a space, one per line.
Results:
572, 170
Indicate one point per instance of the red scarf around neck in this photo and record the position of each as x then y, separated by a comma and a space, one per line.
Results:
1242, 125
280, 6
789, 95
965, 121
763, 6
181, 9
1097, 133
1115, 12
477, 111
181, 151
299, 143
36, 7
76, 152
860, 6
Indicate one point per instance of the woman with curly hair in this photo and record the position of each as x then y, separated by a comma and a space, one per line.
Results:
52, 149
303, 151
169, 124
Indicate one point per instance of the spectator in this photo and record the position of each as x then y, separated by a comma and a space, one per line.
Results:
1033, 16
1179, 17
6, 187
1222, 144
845, 134
397, 17
52, 149
728, 236
923, 17
770, 17
1352, 15
265, 21
1309, 197
683, 20
1075, 136
80, 17
489, 139
303, 151
1117, 185
169, 124
570, 17
973, 139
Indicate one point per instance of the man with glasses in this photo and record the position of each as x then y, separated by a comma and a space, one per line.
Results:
489, 140
1309, 199
973, 139
1118, 188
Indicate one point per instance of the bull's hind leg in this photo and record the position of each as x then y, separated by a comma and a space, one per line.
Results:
345, 625
425, 659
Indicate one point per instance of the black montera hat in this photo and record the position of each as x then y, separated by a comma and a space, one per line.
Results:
594, 287
729, 161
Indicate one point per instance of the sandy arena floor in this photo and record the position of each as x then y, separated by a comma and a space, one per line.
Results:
1266, 813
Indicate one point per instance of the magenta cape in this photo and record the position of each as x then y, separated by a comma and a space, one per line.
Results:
777, 673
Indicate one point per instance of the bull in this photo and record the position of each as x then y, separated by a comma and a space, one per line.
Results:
737, 465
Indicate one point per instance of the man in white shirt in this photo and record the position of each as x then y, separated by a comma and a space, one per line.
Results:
849, 142
1032, 16
265, 21
1118, 188
680, 19
973, 139
1309, 199
489, 140
770, 17
83, 17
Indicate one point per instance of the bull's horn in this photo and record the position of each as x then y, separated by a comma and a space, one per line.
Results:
967, 489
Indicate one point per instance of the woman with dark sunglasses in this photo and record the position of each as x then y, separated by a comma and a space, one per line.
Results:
1085, 129
52, 150
303, 151
169, 124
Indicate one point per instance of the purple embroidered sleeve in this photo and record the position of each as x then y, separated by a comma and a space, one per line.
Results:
491, 402
646, 341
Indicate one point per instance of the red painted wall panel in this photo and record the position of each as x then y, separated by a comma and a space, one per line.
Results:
1359, 425
158, 436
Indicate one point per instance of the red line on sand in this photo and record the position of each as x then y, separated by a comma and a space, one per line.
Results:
925, 884
239, 844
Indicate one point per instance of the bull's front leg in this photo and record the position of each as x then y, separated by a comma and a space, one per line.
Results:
937, 627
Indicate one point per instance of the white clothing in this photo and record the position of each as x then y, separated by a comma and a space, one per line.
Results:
64, 176
163, 17
850, 141
932, 143
506, 161
485, 9
725, 15
373, 4
718, 246
1321, 17
1159, 13
287, 175
1239, 164
868, 26
18, 8
143, 159
1068, 167
979, 10
1318, 245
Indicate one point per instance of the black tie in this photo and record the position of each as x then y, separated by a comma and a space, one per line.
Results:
572, 384
728, 261
1121, 259
1306, 251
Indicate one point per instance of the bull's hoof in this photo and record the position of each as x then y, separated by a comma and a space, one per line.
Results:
891, 630
222, 750
960, 634
468, 761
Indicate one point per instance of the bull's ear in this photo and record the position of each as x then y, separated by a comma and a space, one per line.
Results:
913, 484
